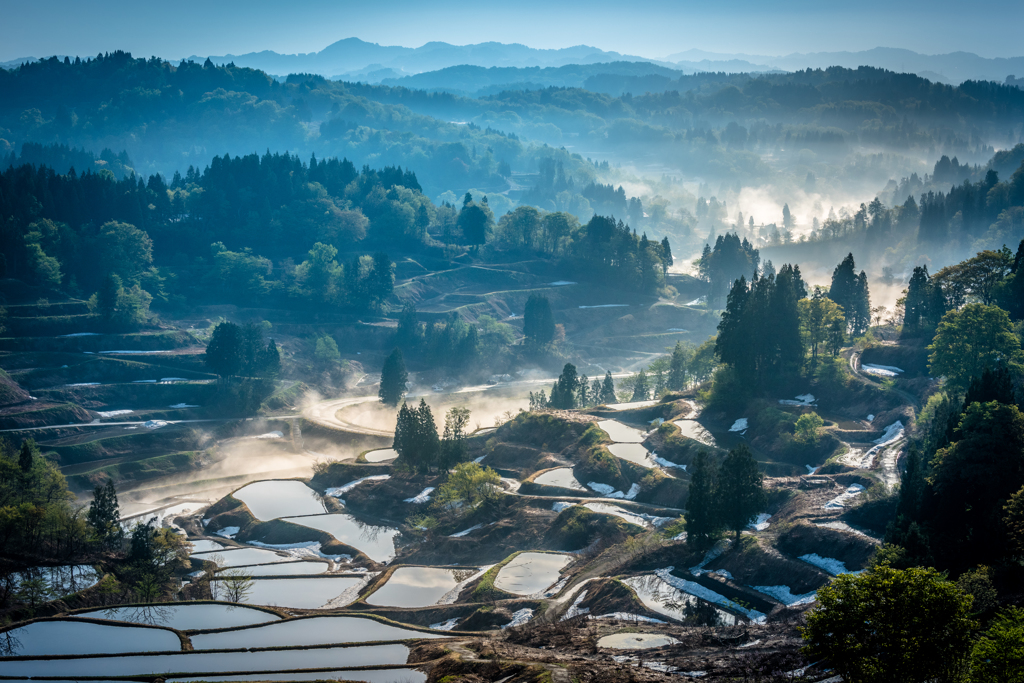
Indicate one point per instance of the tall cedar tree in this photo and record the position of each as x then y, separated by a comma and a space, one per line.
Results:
607, 389
740, 490
538, 320
393, 377
850, 291
701, 514
677, 369
563, 393
104, 514
223, 352
27, 455
641, 388
416, 439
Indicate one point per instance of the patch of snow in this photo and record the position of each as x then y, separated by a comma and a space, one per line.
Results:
871, 418
422, 497
723, 573
832, 566
784, 595
761, 523
144, 381
556, 589
574, 609
309, 549
605, 490
114, 413
710, 556
633, 491
608, 306
699, 300
840, 501
561, 505
676, 329
627, 616
810, 469
466, 532
154, 424
666, 463
881, 370
843, 526
453, 595
445, 625
694, 674
83, 384
338, 491
173, 379
751, 643
739, 425
183, 405
480, 459
228, 531
519, 618
561, 283
80, 334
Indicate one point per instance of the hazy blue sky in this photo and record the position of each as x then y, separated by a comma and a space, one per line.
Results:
649, 28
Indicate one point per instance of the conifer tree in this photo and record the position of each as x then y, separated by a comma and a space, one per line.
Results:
701, 515
608, 389
595, 392
563, 393
538, 320
27, 455
104, 514
677, 369
393, 377
270, 360
740, 490
429, 443
641, 388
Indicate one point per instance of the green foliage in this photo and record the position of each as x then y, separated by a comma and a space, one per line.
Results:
416, 439
807, 426
740, 490
393, 378
823, 322
970, 340
998, 654
850, 292
468, 486
104, 515
234, 350
702, 514
891, 625
565, 390
538, 320
325, 351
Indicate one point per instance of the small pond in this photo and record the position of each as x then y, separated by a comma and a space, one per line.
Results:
268, 500
636, 641
284, 569
632, 452
381, 455
185, 616
61, 581
376, 542
300, 593
562, 477
418, 586
658, 596
370, 676
615, 510
530, 573
48, 638
202, 546
212, 662
620, 433
308, 632
241, 556
694, 430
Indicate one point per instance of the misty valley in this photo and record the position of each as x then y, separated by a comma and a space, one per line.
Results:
490, 363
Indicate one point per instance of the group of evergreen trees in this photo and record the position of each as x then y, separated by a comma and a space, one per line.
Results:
722, 497
850, 291
728, 261
239, 351
572, 390
417, 442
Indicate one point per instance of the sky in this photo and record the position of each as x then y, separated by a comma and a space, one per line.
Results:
646, 28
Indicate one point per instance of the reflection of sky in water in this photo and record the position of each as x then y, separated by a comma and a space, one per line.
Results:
48, 638
418, 586
60, 581
660, 597
376, 542
268, 500
530, 573
313, 631
185, 616
369, 675
299, 593
620, 433
562, 477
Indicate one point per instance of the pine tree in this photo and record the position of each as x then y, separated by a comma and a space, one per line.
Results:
538, 320
583, 392
104, 514
393, 377
107, 297
453, 445
641, 389
563, 393
844, 290
677, 369
224, 351
595, 393
608, 389
740, 490
701, 514
270, 360
408, 334
429, 444
406, 435
27, 456
862, 305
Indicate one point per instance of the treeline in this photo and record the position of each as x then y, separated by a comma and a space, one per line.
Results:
165, 114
